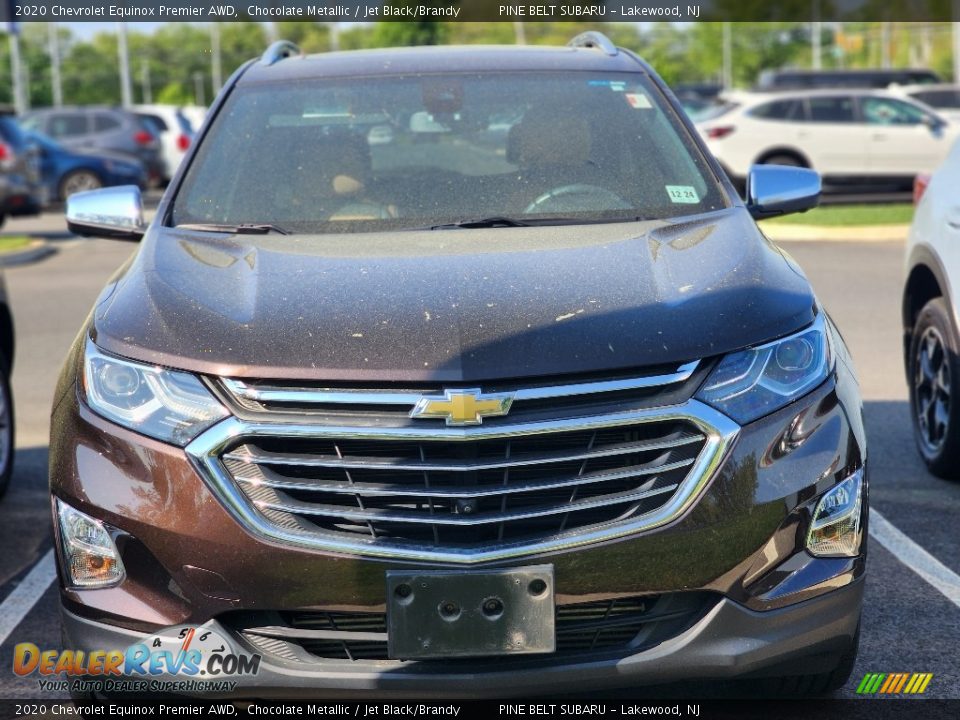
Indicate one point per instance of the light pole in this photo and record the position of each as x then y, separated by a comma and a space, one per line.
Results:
198, 97
16, 70
54, 39
147, 89
956, 41
126, 92
215, 67
727, 56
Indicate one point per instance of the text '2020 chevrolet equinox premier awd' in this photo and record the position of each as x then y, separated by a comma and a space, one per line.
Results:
462, 371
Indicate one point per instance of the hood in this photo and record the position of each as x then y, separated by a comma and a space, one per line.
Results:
453, 305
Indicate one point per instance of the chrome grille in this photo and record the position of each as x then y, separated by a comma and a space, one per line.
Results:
385, 485
449, 493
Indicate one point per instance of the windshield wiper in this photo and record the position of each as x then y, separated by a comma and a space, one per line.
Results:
504, 222
237, 229
490, 222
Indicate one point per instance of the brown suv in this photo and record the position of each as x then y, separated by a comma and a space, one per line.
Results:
457, 371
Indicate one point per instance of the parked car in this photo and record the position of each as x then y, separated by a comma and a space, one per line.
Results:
176, 133
100, 128
931, 338
828, 79
66, 171
20, 189
196, 114
943, 98
846, 136
430, 418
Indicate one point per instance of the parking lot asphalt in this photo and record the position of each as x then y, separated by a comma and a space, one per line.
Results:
908, 624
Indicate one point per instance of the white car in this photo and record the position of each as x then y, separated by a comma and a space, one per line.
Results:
176, 133
845, 135
942, 98
930, 320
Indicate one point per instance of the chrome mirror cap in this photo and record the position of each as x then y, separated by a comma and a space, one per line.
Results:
778, 190
115, 212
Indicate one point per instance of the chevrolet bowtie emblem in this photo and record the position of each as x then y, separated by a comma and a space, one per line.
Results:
463, 407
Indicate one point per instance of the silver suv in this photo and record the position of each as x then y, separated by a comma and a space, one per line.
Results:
102, 128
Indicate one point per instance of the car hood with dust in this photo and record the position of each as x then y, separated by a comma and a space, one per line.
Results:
453, 305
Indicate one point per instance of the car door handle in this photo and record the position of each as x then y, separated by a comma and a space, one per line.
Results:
953, 218
879, 136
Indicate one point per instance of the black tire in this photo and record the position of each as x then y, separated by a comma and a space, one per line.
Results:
77, 181
3, 219
784, 159
934, 381
7, 435
819, 684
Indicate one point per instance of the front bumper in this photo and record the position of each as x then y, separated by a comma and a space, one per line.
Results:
730, 641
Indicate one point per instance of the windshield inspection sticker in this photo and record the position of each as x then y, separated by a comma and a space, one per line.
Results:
638, 101
682, 194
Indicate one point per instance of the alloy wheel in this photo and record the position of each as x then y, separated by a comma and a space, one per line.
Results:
932, 389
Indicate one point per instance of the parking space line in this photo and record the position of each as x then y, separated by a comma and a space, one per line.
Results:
915, 557
19, 602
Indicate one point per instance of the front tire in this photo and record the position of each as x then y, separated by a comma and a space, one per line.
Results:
935, 390
783, 159
79, 181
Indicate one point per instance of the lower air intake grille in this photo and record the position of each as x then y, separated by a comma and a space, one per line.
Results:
629, 624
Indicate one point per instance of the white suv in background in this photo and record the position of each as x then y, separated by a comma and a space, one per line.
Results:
931, 338
848, 136
943, 98
176, 133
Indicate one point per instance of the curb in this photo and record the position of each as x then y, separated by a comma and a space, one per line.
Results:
34, 251
779, 232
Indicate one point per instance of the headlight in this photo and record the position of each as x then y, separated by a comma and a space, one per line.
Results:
835, 529
752, 383
165, 404
91, 556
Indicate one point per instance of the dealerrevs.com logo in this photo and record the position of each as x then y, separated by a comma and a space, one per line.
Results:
182, 658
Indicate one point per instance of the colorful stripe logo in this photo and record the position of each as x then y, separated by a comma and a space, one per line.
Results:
894, 683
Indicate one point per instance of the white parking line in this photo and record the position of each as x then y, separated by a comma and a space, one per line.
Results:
19, 602
915, 557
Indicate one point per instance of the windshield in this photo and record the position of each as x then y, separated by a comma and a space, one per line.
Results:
380, 153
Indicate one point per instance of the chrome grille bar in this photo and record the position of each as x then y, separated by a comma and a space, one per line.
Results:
391, 516
258, 456
272, 480
265, 393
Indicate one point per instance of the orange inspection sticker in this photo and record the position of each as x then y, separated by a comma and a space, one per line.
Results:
682, 194
638, 100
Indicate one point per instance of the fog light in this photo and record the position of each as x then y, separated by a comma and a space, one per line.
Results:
835, 529
90, 554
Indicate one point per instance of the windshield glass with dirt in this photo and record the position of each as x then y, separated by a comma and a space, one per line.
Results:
383, 153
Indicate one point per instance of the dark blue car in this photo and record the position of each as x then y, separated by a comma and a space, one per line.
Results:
65, 171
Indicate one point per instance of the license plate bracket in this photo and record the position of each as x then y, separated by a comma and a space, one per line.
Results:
470, 613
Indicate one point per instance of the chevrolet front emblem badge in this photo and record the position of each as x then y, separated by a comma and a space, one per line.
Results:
463, 407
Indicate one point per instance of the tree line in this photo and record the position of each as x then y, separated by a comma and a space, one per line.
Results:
173, 63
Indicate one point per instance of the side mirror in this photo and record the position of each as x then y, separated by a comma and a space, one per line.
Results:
115, 212
779, 190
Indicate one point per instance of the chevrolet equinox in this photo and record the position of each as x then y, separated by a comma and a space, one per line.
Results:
462, 371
